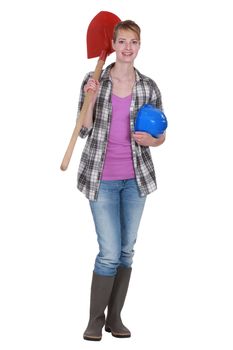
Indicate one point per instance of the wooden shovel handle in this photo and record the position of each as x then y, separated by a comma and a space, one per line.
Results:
79, 122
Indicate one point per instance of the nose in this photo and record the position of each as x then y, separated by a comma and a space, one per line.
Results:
128, 45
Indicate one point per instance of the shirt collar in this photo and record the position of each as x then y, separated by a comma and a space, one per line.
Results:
106, 73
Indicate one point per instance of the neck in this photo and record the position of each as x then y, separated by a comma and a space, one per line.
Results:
123, 72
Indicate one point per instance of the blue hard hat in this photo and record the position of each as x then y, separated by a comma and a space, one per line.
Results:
151, 120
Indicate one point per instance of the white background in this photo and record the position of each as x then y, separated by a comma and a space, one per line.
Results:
181, 289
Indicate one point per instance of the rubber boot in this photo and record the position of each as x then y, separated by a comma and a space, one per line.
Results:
113, 322
101, 289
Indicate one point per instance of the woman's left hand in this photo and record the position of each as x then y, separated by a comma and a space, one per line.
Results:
145, 139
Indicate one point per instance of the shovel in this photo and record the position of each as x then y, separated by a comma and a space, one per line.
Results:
99, 44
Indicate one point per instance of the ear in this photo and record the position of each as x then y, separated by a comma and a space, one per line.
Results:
113, 45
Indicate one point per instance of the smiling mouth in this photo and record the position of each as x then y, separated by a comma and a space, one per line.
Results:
127, 53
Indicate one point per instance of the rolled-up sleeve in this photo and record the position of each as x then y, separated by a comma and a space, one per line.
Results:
84, 132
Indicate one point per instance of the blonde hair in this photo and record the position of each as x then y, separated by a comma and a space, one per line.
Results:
126, 25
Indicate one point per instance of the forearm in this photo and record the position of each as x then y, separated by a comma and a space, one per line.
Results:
88, 119
91, 89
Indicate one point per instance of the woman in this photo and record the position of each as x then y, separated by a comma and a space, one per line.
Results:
116, 174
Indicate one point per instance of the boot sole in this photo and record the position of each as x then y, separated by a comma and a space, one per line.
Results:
117, 335
92, 338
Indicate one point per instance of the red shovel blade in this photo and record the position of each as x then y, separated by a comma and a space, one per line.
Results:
100, 33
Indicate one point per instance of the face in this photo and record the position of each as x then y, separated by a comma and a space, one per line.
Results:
126, 46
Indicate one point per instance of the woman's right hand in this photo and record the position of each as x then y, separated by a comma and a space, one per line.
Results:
92, 85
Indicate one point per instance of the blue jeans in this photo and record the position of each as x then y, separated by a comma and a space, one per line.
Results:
117, 214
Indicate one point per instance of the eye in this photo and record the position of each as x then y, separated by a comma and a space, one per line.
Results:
135, 42
121, 41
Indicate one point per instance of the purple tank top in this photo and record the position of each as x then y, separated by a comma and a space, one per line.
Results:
118, 163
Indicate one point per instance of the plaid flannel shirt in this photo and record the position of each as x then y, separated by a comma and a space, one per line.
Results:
91, 164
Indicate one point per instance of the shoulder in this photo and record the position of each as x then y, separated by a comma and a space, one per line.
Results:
145, 79
105, 74
146, 86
